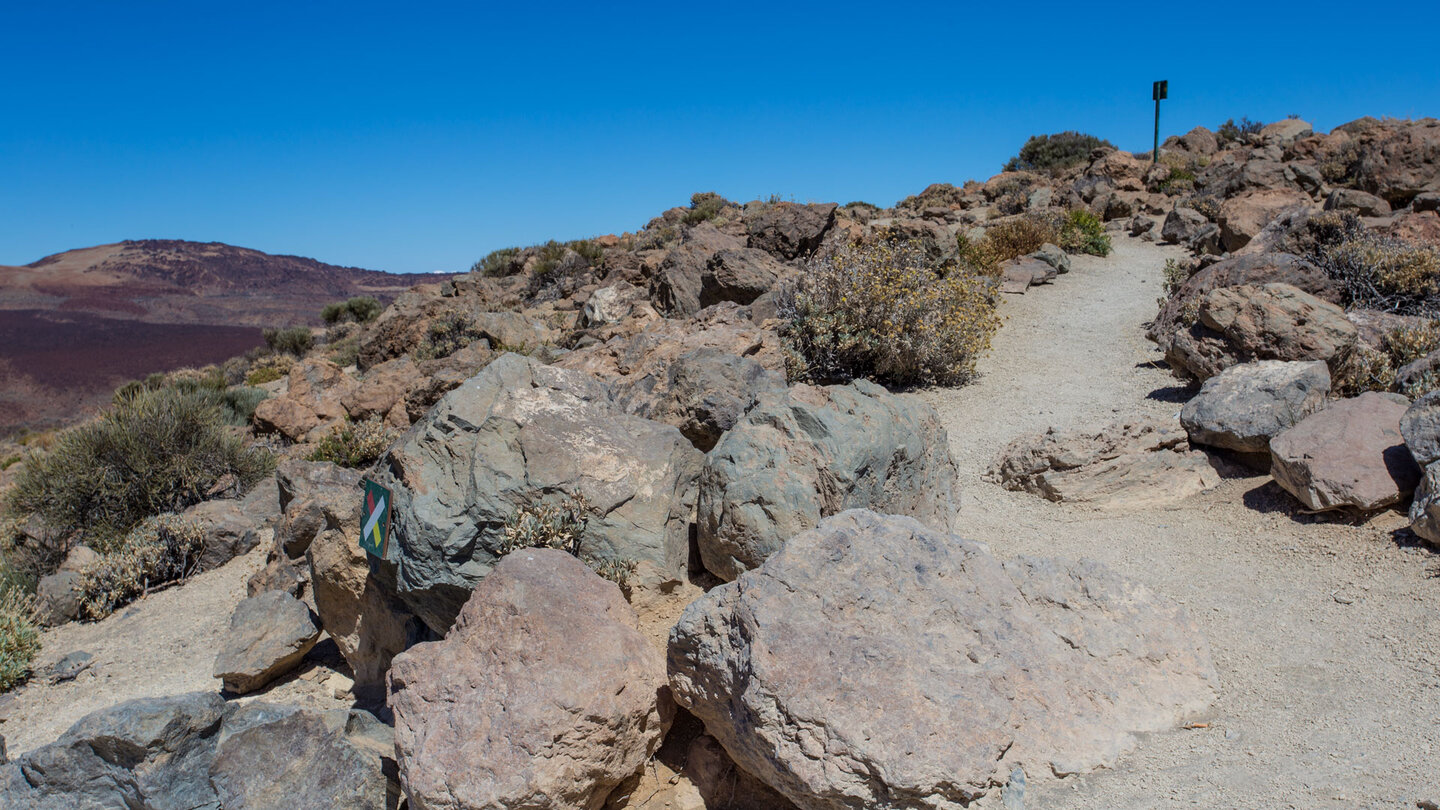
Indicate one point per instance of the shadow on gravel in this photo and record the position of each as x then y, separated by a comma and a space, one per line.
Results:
1176, 394
1270, 499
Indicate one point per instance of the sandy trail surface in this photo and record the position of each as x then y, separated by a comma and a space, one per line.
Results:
1325, 631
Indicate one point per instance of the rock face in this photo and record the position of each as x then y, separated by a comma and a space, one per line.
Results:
918, 660
791, 231
703, 393
680, 280
1242, 407
1349, 455
196, 751
1243, 217
543, 695
513, 435
1125, 465
807, 453
1421, 428
269, 634
1259, 322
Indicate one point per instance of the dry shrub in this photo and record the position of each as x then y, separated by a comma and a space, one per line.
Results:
561, 525
1376, 271
1360, 368
354, 445
1019, 237
883, 311
160, 551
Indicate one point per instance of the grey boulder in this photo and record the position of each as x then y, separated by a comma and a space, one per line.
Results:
543, 695
269, 635
808, 452
1245, 405
873, 662
515, 434
1421, 428
1425, 509
704, 393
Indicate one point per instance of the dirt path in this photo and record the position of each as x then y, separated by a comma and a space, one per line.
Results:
1326, 635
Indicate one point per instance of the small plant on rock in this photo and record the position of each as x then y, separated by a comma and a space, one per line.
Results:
561, 525
360, 309
447, 335
883, 311
354, 445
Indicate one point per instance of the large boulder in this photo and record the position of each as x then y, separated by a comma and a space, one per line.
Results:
1124, 465
874, 662
518, 434
315, 496
678, 283
652, 349
1243, 217
1184, 226
740, 275
704, 393
543, 695
809, 452
1350, 455
269, 635
358, 610
383, 386
1242, 407
1421, 428
1182, 308
230, 530
1400, 160
1358, 202
1425, 509
789, 230
1287, 130
1259, 322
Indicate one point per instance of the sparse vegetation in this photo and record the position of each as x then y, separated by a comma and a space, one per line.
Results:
345, 352
159, 551
1083, 232
1176, 273
1018, 237
1376, 271
354, 445
152, 452
19, 637
704, 206
236, 404
1232, 131
1054, 153
1360, 368
498, 263
264, 374
883, 311
447, 335
294, 340
360, 309
560, 525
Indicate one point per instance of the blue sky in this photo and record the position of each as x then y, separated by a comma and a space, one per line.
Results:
417, 137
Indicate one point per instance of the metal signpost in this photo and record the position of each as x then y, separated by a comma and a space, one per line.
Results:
1160, 90
375, 532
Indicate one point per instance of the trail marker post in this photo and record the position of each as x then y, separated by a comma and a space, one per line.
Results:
1159, 91
375, 517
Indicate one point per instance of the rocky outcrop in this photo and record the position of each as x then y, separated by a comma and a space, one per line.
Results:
680, 279
1243, 217
269, 634
543, 695
1350, 455
1244, 406
197, 751
515, 435
928, 667
704, 393
1125, 465
791, 231
1258, 322
809, 452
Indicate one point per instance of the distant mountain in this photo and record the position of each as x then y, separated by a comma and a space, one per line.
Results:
172, 281
75, 325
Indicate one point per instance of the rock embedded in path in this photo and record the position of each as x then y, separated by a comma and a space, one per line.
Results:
876, 663
1125, 465
1349, 455
1242, 407
269, 634
808, 452
544, 694
518, 434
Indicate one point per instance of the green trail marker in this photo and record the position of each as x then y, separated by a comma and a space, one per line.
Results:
375, 532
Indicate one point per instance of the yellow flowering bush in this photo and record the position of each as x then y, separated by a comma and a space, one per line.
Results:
883, 311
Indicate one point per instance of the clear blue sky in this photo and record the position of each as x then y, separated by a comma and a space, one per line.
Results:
416, 137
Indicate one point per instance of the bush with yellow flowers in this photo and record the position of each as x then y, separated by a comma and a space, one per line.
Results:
884, 311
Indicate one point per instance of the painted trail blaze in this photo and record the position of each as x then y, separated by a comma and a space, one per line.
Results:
375, 531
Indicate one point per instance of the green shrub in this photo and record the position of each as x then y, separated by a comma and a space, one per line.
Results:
294, 340
154, 452
704, 206
883, 311
19, 637
237, 405
264, 374
354, 445
548, 258
447, 335
159, 551
360, 309
1083, 232
8, 462
207, 385
345, 352
1231, 131
1054, 153
560, 525
498, 263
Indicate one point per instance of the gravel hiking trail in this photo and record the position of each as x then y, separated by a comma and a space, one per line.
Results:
1325, 630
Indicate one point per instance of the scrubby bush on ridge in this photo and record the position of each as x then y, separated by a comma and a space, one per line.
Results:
1057, 152
153, 452
294, 340
359, 309
882, 311
354, 445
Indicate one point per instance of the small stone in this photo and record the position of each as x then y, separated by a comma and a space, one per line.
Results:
70, 667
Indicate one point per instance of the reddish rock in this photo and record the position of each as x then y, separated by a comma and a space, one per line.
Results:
1351, 454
